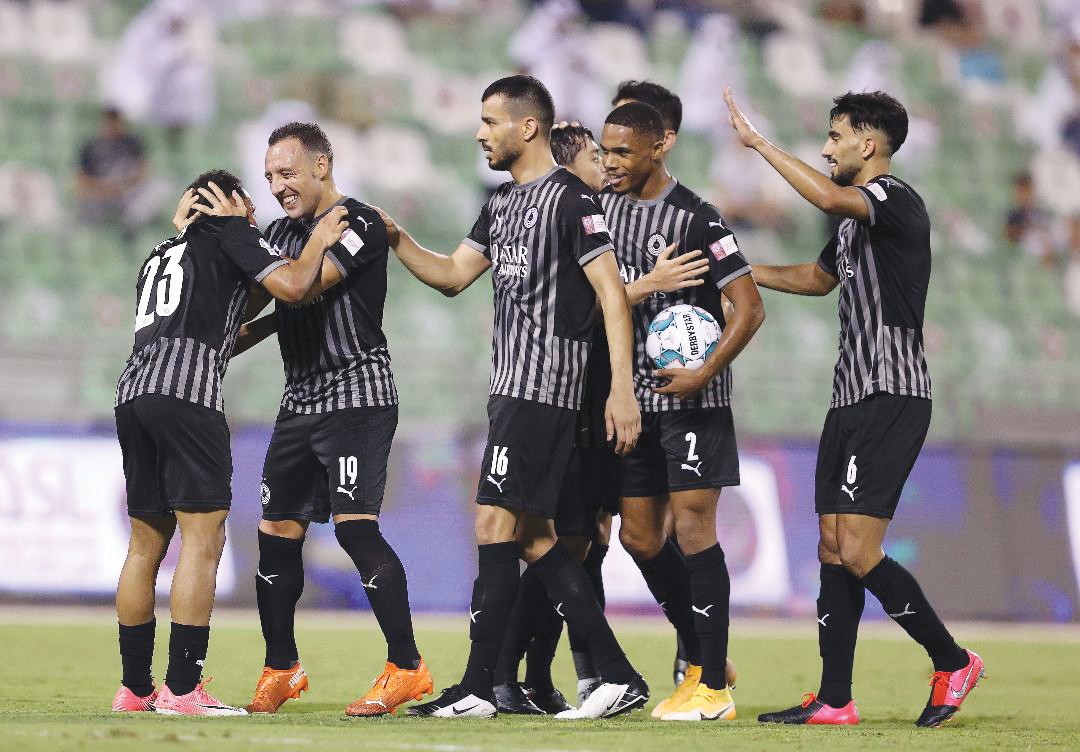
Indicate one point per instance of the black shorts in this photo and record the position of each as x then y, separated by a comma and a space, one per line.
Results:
176, 455
328, 463
527, 454
867, 451
588, 488
681, 450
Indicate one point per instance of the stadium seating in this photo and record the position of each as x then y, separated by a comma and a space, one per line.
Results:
999, 335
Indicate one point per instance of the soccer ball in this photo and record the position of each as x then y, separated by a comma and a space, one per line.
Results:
682, 336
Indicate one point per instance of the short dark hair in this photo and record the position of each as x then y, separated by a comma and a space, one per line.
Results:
308, 134
640, 118
224, 180
528, 95
873, 110
567, 142
649, 92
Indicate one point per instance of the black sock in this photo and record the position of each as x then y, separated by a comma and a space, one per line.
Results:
279, 582
594, 564
520, 627
839, 609
187, 653
541, 651
385, 585
136, 656
903, 600
668, 579
569, 588
710, 587
494, 593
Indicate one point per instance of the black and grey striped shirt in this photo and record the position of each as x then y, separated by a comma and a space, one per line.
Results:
191, 295
883, 265
333, 348
641, 230
538, 237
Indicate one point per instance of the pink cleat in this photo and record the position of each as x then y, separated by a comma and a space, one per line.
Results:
949, 688
813, 711
127, 701
196, 702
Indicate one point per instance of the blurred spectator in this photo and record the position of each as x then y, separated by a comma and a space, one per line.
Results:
162, 72
961, 24
112, 184
1028, 225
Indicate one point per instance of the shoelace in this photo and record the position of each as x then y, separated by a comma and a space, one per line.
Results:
808, 699
936, 678
384, 677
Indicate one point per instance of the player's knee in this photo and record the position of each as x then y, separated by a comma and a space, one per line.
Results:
854, 556
294, 529
640, 542
828, 552
495, 524
694, 531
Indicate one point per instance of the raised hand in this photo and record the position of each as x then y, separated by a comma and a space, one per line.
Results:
748, 134
217, 204
184, 216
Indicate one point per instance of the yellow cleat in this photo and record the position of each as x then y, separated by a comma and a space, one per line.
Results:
682, 693
705, 705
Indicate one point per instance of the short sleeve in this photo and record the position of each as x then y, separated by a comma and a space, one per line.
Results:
582, 225
827, 260
479, 237
709, 233
242, 244
363, 242
890, 202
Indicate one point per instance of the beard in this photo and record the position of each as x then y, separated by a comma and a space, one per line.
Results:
844, 177
502, 159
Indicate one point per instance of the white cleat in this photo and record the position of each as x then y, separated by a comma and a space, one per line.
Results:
609, 700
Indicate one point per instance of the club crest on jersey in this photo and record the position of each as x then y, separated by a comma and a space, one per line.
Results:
656, 244
594, 223
530, 217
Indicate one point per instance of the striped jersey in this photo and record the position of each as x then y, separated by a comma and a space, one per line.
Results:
883, 265
191, 295
333, 347
539, 236
641, 230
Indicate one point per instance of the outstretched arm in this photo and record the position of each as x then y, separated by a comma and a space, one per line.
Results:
800, 279
747, 315
447, 274
815, 187
622, 415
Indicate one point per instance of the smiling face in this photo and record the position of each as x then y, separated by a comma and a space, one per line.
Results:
500, 133
588, 166
296, 177
629, 158
846, 151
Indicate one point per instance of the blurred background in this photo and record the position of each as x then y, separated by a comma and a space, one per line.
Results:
108, 108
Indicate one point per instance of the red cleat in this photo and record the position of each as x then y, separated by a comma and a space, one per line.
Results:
813, 712
950, 688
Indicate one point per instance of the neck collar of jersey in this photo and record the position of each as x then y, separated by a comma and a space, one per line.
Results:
537, 181
654, 201
315, 219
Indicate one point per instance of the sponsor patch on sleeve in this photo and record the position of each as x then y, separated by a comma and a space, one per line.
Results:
724, 247
877, 190
351, 242
594, 223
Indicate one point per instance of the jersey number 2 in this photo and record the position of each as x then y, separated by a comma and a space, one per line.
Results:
169, 287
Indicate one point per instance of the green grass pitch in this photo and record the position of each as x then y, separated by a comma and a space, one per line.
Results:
62, 672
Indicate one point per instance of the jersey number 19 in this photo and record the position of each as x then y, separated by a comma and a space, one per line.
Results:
169, 287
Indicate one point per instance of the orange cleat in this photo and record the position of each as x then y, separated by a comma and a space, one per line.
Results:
394, 687
275, 687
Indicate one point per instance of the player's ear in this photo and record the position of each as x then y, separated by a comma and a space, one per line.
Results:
530, 128
659, 148
322, 166
669, 140
869, 147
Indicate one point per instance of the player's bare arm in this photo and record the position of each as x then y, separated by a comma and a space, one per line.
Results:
622, 415
799, 279
254, 332
747, 316
307, 276
669, 275
818, 189
447, 274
